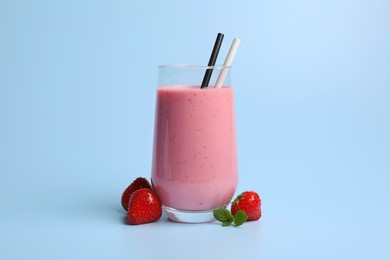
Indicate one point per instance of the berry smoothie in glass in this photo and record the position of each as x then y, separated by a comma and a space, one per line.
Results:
194, 167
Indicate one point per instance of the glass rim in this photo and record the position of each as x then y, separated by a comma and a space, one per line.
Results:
187, 66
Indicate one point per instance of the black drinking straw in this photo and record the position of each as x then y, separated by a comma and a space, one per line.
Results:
213, 59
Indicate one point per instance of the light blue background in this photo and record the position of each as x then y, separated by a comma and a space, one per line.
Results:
77, 82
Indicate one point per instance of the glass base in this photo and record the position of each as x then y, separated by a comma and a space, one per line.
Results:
189, 216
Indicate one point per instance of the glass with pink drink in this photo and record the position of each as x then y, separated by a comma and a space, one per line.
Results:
194, 168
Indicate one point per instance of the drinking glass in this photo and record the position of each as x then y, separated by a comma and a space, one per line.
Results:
194, 165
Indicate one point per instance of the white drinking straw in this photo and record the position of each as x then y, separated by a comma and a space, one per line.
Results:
228, 62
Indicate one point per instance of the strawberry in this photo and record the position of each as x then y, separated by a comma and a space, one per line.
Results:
137, 184
144, 207
250, 203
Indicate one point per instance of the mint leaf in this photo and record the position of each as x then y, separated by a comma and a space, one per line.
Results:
239, 218
227, 223
223, 215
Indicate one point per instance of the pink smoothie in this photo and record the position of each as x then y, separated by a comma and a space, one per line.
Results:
195, 153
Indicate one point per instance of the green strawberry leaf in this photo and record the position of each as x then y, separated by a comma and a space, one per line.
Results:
223, 215
239, 218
